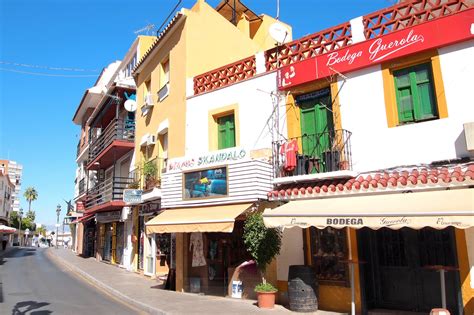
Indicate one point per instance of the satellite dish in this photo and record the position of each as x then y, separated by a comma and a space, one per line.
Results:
279, 32
130, 105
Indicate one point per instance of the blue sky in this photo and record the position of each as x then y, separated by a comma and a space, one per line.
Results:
36, 110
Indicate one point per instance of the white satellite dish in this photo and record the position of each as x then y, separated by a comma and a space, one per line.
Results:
279, 32
130, 105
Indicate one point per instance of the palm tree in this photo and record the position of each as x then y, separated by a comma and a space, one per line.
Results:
30, 195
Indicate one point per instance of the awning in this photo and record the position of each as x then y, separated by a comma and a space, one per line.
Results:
84, 219
437, 209
7, 229
201, 219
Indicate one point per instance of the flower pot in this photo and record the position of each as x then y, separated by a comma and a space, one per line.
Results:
266, 299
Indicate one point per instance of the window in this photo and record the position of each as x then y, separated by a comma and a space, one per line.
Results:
328, 248
226, 132
415, 94
414, 89
164, 80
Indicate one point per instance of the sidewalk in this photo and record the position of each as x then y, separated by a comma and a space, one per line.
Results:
143, 293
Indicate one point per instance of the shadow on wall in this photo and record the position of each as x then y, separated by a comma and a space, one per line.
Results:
460, 146
26, 307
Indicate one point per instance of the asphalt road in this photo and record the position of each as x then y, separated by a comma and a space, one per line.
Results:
32, 284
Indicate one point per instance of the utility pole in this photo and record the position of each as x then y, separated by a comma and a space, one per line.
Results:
58, 212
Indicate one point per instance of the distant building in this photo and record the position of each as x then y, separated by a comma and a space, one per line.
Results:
14, 171
6, 201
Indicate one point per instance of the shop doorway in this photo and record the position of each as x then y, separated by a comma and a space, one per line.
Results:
89, 240
107, 254
396, 274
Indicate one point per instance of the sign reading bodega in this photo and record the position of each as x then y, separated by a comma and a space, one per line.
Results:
344, 221
432, 34
217, 157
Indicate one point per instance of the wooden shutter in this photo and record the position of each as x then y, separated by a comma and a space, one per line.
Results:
404, 96
226, 132
424, 99
415, 94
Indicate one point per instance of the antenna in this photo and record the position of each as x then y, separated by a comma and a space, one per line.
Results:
278, 10
147, 28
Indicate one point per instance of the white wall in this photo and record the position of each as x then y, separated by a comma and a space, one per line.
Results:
255, 108
375, 146
291, 252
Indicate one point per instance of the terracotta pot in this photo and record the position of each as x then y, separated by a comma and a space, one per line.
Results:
266, 299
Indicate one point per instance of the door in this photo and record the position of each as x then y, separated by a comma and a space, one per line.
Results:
317, 125
107, 254
119, 243
396, 274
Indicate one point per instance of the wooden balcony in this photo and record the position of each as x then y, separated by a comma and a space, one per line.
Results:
116, 139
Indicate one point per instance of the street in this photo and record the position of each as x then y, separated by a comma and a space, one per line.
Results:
30, 283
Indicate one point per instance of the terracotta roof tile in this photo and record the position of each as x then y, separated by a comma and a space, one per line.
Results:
414, 178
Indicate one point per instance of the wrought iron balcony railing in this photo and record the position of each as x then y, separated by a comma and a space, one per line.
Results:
123, 130
312, 154
109, 190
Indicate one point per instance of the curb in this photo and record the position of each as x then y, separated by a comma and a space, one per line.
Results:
105, 287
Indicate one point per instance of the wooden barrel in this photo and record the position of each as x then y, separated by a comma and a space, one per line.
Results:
302, 289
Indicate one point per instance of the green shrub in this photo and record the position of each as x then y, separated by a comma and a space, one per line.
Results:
265, 287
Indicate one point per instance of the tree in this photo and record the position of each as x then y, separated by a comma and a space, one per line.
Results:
262, 243
30, 195
27, 222
41, 231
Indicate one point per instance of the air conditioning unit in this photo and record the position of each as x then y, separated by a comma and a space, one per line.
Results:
149, 99
151, 140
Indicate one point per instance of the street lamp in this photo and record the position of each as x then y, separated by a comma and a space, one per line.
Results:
20, 213
58, 212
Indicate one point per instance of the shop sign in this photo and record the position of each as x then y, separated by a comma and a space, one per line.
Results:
106, 217
208, 159
149, 208
436, 33
132, 196
207, 183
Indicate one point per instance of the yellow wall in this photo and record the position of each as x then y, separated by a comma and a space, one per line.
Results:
144, 43
464, 272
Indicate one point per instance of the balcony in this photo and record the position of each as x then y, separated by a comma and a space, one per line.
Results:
107, 195
149, 174
114, 141
315, 157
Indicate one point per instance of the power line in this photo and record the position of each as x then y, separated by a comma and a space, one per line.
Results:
51, 75
17, 64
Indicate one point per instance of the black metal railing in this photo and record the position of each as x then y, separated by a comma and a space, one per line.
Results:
110, 189
116, 130
82, 186
78, 148
311, 154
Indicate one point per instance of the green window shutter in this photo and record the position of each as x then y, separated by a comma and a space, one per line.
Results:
426, 105
415, 93
404, 96
226, 132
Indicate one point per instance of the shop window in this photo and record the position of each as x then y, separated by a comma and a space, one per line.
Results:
415, 94
226, 132
328, 255
414, 90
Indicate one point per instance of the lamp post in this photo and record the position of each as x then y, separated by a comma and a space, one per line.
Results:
58, 212
20, 214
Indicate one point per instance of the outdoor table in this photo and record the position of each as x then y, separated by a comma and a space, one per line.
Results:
442, 270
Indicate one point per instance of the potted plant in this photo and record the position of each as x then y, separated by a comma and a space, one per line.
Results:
263, 244
149, 172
